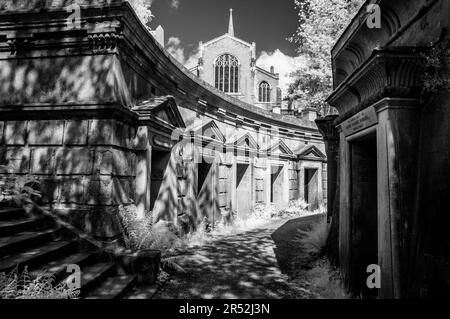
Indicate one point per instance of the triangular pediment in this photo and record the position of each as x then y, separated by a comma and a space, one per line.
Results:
209, 130
245, 141
225, 36
163, 108
279, 147
311, 152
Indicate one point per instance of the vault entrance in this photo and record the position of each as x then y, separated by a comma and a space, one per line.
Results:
276, 183
243, 190
160, 162
363, 223
311, 188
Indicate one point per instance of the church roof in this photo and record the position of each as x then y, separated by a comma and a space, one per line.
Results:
276, 76
227, 36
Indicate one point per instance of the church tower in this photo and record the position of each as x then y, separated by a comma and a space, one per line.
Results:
229, 64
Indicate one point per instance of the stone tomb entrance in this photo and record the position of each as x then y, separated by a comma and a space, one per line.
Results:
160, 163
311, 188
363, 211
206, 184
243, 190
276, 185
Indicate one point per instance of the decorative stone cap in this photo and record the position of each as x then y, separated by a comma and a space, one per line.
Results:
393, 73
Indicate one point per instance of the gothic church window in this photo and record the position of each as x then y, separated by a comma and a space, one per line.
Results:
227, 73
264, 92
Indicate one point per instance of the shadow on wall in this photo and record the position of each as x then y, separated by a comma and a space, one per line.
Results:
80, 79
163, 194
81, 164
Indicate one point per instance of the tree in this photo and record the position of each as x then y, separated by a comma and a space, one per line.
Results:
142, 9
321, 22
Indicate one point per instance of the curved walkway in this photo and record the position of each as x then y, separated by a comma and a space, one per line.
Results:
244, 265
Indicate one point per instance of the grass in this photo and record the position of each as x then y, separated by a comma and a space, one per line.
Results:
323, 280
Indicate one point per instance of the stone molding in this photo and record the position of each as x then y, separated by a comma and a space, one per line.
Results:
389, 73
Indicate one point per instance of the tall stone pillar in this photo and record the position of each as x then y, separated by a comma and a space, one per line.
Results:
331, 138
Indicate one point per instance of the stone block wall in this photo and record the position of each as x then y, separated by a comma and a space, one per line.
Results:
293, 184
83, 164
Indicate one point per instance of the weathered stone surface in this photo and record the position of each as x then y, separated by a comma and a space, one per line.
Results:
103, 162
45, 132
122, 134
101, 132
223, 200
76, 132
97, 222
99, 192
122, 191
115, 162
259, 184
50, 189
15, 133
16, 158
140, 141
123, 162
222, 186
43, 160
72, 190
74, 161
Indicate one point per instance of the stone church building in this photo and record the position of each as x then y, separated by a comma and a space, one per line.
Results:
229, 64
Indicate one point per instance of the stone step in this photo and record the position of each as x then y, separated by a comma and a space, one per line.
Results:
92, 276
24, 240
20, 225
37, 255
58, 267
143, 292
114, 287
7, 213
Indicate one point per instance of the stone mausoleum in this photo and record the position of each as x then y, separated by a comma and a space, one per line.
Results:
389, 148
102, 116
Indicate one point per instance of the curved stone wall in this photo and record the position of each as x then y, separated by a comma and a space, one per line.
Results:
96, 112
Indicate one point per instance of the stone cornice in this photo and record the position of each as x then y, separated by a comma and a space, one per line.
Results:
64, 111
357, 42
393, 73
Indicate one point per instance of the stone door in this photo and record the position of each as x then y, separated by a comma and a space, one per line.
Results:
205, 191
243, 190
311, 186
277, 182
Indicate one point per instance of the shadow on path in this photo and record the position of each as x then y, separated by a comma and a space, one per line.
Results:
239, 266
286, 249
